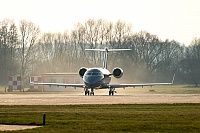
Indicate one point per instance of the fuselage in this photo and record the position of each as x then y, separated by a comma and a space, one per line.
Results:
96, 78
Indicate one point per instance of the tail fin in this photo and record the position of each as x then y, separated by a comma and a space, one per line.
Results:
173, 79
106, 50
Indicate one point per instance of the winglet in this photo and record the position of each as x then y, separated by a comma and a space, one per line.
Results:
173, 78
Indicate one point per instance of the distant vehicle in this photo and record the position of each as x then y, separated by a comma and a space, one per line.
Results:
99, 78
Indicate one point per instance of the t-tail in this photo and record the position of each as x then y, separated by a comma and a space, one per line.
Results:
106, 50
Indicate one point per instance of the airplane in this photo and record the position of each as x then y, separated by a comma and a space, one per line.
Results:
99, 78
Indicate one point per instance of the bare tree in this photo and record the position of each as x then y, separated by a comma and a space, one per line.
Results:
145, 52
91, 34
20, 52
191, 63
28, 35
169, 60
8, 42
55, 56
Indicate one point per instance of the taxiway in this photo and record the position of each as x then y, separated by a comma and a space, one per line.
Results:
69, 99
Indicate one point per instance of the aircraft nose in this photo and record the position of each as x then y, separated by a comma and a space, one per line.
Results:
93, 81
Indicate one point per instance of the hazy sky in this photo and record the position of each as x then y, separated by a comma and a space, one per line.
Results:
169, 19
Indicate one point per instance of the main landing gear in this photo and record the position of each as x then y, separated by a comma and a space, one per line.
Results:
111, 91
87, 92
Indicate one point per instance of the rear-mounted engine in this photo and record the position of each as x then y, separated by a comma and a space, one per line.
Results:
82, 71
117, 72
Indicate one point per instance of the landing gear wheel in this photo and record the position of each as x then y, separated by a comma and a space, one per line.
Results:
92, 93
87, 92
111, 93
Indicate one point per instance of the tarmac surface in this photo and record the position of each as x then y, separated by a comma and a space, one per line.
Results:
72, 99
15, 127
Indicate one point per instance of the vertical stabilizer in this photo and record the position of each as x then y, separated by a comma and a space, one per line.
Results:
106, 50
105, 58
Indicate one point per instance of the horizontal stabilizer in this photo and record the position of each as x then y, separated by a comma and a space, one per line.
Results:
106, 50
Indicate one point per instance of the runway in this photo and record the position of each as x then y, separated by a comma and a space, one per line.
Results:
71, 99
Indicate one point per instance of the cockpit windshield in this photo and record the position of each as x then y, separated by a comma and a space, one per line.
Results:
89, 73
94, 73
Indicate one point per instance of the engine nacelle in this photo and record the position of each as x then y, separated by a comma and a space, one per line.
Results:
82, 71
117, 72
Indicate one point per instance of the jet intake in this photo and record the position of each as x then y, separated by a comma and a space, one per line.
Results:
82, 71
117, 72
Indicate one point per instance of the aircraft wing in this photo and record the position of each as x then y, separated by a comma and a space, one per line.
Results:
59, 84
136, 85
106, 86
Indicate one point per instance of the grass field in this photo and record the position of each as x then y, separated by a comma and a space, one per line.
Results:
153, 118
170, 89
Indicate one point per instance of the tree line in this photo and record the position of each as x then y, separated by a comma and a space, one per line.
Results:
25, 50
